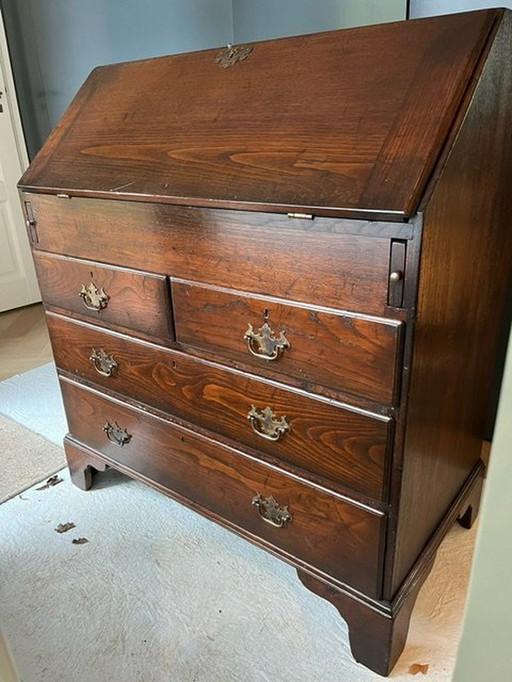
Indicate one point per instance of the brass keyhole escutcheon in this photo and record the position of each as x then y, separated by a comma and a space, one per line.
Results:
232, 54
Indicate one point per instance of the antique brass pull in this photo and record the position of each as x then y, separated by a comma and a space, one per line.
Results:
271, 512
94, 298
116, 434
265, 424
264, 343
104, 364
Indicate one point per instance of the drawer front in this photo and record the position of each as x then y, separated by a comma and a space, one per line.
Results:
345, 352
135, 300
339, 444
320, 262
339, 538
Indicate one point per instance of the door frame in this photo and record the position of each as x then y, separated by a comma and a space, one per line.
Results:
12, 100
21, 289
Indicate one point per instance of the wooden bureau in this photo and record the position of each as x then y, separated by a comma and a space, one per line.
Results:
274, 277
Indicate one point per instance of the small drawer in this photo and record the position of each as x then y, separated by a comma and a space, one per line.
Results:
300, 521
326, 439
136, 300
347, 352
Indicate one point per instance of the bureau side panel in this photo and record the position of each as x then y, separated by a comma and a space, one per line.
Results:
464, 278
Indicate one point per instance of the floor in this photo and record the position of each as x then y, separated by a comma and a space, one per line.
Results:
24, 340
158, 592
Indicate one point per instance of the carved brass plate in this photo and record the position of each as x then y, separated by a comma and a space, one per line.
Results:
116, 434
94, 298
271, 512
104, 364
232, 54
264, 344
266, 425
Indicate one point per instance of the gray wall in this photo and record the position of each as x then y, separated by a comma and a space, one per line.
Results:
262, 19
29, 87
428, 8
54, 44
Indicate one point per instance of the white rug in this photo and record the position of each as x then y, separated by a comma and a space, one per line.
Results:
159, 594
33, 399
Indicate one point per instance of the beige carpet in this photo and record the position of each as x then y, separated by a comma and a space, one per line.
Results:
25, 458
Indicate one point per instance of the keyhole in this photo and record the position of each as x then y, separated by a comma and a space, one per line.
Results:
265, 313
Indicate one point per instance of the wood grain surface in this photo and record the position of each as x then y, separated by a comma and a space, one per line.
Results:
336, 126
338, 538
337, 263
464, 284
339, 444
345, 352
137, 300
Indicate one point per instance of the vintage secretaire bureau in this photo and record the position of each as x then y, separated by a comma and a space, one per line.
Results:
274, 276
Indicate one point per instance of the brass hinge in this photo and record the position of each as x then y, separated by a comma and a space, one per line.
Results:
301, 216
31, 223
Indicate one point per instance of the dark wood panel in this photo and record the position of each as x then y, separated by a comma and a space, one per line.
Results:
377, 635
464, 281
338, 538
324, 439
345, 352
138, 301
336, 126
321, 261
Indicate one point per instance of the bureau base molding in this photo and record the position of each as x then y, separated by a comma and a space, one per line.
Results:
82, 464
377, 629
377, 635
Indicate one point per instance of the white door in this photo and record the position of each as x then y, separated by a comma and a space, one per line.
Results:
18, 285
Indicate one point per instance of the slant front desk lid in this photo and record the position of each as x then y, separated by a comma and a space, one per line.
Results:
347, 122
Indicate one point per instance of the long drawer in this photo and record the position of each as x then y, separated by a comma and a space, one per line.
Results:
295, 518
348, 352
331, 441
136, 300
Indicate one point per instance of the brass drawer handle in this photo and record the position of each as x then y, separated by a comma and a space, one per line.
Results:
265, 424
116, 434
264, 344
104, 364
271, 512
94, 298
